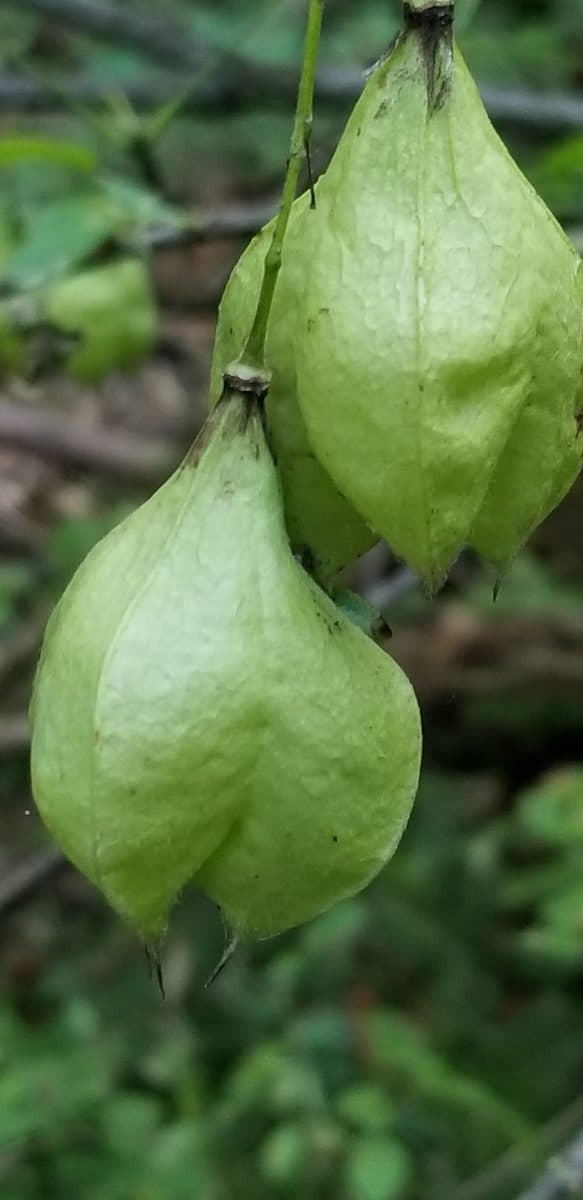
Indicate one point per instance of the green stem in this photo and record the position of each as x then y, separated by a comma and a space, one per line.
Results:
254, 352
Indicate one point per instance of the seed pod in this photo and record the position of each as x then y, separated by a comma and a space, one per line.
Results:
111, 309
203, 712
320, 522
439, 359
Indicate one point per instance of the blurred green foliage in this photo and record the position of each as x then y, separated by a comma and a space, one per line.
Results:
394, 1048
423, 1041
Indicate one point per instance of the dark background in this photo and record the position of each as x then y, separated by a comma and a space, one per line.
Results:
425, 1040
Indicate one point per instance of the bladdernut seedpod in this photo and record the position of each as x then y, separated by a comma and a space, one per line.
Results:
320, 521
439, 354
203, 712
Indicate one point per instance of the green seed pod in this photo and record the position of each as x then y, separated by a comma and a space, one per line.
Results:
319, 520
111, 308
439, 359
203, 712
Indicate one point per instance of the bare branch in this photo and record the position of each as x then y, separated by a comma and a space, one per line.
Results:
25, 881
230, 89
538, 110
151, 36
232, 221
562, 1177
113, 452
496, 1178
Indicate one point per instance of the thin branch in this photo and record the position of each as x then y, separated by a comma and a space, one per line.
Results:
562, 1177
113, 452
546, 111
25, 881
151, 36
496, 1178
231, 221
229, 90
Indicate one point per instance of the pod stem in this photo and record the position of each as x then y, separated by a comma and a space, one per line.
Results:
431, 21
432, 18
254, 352
427, 6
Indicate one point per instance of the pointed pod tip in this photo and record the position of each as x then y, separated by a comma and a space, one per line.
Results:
432, 584
225, 958
154, 965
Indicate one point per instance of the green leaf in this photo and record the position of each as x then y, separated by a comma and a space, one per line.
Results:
552, 811
138, 207
283, 1154
131, 1120
17, 32
401, 1049
61, 235
37, 1098
336, 930
64, 154
378, 1169
366, 1106
554, 951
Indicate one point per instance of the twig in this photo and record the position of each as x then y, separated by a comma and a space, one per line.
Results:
497, 1177
25, 881
114, 452
231, 221
562, 1177
547, 111
230, 90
